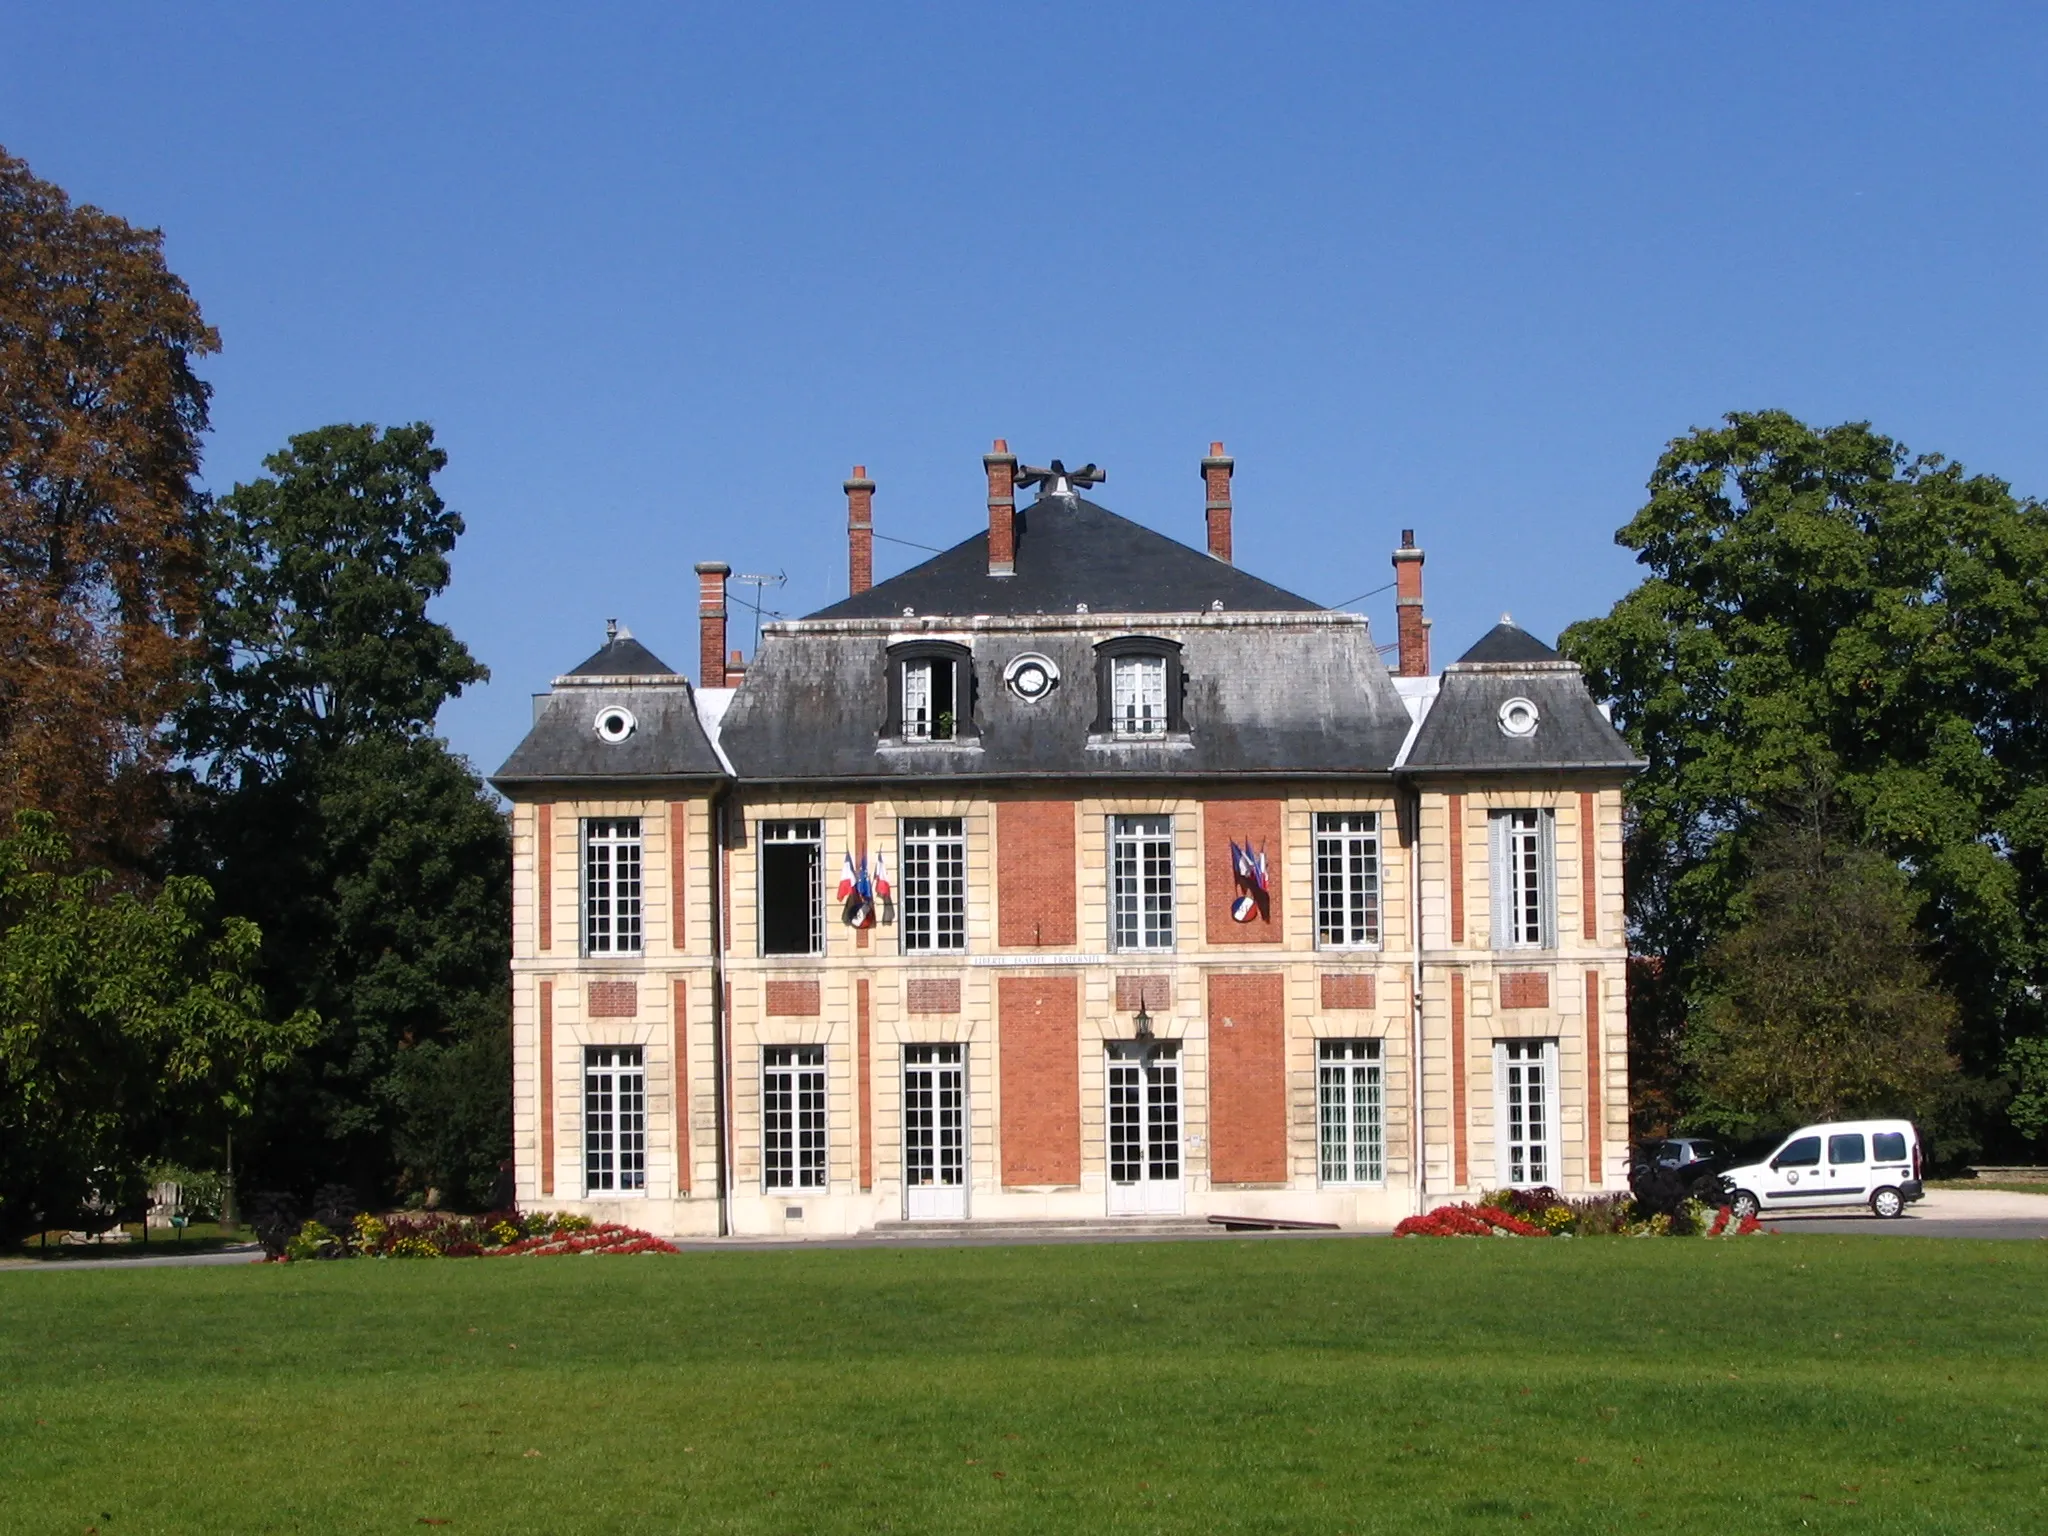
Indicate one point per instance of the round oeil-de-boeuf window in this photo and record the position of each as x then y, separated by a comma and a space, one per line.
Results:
1518, 718
615, 723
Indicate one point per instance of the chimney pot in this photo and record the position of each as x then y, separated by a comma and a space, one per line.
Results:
1217, 469
1411, 629
1001, 467
711, 575
860, 531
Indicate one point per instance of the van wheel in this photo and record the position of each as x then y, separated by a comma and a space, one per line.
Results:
1888, 1203
1743, 1206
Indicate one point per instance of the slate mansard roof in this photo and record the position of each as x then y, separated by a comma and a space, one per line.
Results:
1273, 685
1070, 552
668, 740
1463, 728
1264, 694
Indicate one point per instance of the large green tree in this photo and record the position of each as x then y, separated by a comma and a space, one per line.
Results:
128, 1025
322, 804
1818, 1003
1821, 603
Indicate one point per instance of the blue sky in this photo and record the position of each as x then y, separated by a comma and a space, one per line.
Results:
660, 276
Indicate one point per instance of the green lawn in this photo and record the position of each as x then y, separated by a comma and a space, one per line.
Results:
1777, 1383
2003, 1186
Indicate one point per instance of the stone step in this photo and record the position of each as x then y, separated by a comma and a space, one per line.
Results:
1097, 1227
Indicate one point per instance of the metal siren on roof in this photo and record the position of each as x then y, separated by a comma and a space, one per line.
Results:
1518, 718
1031, 676
615, 723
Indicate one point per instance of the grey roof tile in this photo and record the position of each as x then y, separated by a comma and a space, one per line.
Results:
1070, 551
1265, 696
667, 743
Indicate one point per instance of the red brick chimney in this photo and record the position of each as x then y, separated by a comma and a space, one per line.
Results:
735, 671
1411, 629
711, 576
860, 531
1001, 465
1216, 472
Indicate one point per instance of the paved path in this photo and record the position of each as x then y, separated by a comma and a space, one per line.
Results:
1944, 1213
245, 1253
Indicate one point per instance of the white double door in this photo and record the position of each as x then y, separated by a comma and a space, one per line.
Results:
934, 1133
1144, 1128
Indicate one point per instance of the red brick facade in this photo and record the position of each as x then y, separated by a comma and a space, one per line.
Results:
1035, 905
1154, 992
612, 1000
1525, 989
1247, 1079
931, 994
1251, 822
1038, 1025
1346, 989
793, 1000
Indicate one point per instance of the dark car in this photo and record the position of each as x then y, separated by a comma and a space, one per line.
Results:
1689, 1161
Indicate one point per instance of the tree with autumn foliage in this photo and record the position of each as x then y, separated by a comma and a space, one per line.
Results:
101, 416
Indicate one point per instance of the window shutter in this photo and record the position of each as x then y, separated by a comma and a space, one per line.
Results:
1546, 844
1503, 1173
1499, 891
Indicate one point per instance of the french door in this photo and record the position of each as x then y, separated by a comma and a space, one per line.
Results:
1144, 1128
934, 1133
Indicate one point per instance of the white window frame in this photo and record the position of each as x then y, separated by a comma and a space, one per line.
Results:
612, 885
1141, 884
932, 885
1525, 1114
1347, 849
791, 832
1523, 845
1351, 1112
1137, 695
614, 1120
917, 699
795, 1120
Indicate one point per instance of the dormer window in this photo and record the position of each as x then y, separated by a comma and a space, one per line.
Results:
931, 691
1137, 695
1140, 682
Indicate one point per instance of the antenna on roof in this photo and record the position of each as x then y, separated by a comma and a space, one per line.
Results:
757, 583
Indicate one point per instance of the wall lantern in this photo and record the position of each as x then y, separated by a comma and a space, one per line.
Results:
1144, 1024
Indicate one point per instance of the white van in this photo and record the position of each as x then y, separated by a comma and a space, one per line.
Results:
1848, 1162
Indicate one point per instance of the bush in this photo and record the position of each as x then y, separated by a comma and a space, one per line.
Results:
274, 1218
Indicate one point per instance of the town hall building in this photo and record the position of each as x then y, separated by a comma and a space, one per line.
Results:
1073, 874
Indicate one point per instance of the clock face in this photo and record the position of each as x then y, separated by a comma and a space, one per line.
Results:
1031, 677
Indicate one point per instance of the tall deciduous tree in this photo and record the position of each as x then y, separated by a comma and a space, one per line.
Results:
1817, 1004
1821, 602
322, 805
125, 1024
101, 415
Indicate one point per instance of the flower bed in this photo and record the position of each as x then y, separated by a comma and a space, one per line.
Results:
1468, 1221
501, 1234
1544, 1212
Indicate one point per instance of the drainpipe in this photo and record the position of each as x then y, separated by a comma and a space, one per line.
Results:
719, 1023
1416, 1148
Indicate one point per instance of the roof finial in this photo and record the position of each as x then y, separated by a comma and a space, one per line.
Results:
611, 630
1507, 618
1058, 480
